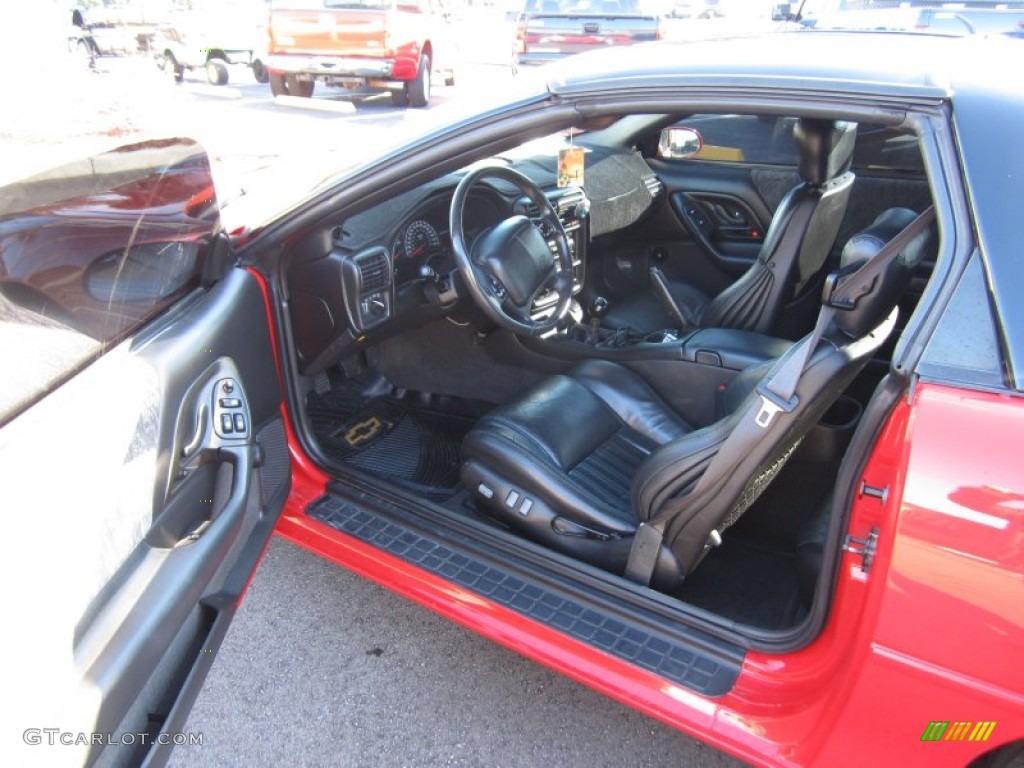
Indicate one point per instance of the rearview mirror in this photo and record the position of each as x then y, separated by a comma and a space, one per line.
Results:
678, 142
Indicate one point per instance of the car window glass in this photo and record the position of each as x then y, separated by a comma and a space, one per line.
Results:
92, 251
768, 140
756, 139
883, 149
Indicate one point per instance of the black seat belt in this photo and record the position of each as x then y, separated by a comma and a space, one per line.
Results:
777, 394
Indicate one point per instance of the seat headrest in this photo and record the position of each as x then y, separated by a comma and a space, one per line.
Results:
875, 305
825, 148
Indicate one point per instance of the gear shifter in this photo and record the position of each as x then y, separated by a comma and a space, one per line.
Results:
597, 310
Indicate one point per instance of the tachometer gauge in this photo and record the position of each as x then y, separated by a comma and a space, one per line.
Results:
419, 238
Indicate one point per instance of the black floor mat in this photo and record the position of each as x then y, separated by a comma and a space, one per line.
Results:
410, 439
747, 583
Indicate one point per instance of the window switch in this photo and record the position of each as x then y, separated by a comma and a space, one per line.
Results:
230, 402
227, 426
239, 422
512, 499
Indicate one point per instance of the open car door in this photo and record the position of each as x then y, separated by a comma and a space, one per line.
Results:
142, 450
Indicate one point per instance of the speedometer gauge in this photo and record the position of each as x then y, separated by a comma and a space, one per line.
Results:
419, 238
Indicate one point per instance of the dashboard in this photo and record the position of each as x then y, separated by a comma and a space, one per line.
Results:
391, 267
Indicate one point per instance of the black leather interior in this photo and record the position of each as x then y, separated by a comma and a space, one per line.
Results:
796, 245
862, 246
732, 349
825, 148
583, 458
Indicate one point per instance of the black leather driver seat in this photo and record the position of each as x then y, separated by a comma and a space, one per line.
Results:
583, 458
798, 241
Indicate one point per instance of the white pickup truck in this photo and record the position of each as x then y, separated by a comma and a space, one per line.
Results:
213, 37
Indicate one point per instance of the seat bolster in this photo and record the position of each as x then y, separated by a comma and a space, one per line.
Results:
631, 399
673, 468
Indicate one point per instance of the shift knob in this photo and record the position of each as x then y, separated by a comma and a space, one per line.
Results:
599, 307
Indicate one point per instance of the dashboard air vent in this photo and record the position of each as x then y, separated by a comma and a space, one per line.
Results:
654, 186
570, 199
374, 272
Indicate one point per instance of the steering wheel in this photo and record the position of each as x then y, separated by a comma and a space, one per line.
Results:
508, 266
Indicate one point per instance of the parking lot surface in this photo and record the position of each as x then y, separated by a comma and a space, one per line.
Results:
321, 667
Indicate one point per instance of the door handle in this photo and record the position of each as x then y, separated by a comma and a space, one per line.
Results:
193, 536
730, 215
202, 419
241, 458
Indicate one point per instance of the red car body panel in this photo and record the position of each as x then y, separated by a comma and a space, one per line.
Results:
905, 644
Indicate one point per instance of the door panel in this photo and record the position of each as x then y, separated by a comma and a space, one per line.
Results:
707, 233
147, 485
715, 216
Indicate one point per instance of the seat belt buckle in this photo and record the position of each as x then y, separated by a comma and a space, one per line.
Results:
772, 404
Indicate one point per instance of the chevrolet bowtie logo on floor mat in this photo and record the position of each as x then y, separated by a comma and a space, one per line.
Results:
410, 440
365, 431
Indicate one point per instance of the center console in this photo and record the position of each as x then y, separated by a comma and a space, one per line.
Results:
573, 208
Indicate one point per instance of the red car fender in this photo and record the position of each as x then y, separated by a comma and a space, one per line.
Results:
941, 634
407, 61
948, 639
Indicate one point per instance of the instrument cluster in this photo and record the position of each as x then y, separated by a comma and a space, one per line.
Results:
424, 240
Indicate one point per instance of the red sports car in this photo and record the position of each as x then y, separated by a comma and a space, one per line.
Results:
694, 375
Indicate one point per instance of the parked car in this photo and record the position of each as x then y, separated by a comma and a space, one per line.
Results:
696, 9
93, 34
213, 38
694, 374
942, 19
549, 30
366, 47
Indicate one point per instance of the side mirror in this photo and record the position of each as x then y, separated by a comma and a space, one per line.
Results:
679, 142
781, 12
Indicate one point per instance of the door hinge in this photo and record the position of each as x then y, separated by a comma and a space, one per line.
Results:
863, 547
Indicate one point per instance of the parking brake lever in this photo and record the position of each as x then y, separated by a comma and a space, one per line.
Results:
661, 288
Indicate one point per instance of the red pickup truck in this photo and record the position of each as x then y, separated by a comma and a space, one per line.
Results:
552, 29
364, 46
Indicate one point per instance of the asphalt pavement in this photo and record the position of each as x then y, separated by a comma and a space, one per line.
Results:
323, 668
